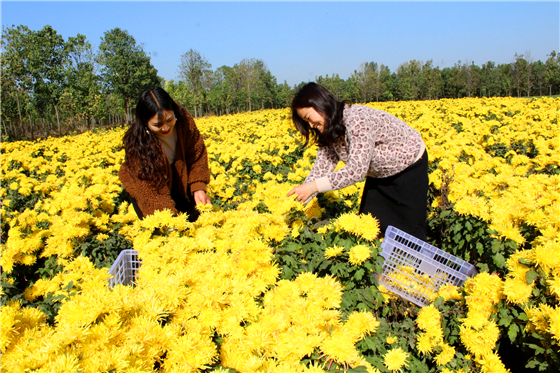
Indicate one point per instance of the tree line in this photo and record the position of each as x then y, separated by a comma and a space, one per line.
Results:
52, 86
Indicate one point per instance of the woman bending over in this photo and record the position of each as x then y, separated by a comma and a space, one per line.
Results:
374, 145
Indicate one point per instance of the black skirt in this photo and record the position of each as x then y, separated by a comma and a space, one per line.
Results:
400, 200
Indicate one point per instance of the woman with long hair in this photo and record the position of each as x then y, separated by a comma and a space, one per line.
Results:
374, 145
166, 163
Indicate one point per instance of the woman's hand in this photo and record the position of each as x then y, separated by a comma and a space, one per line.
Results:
201, 197
303, 192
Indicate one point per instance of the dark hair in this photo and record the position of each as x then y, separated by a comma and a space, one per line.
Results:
319, 98
142, 148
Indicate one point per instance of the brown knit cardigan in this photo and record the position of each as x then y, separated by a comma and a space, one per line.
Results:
191, 163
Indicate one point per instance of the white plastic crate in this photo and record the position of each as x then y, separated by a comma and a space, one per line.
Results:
124, 268
415, 270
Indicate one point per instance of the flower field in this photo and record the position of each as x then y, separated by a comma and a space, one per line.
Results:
262, 283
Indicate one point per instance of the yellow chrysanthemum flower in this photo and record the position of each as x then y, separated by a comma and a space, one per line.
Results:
429, 318
331, 252
395, 359
390, 339
363, 225
359, 254
449, 291
446, 355
481, 341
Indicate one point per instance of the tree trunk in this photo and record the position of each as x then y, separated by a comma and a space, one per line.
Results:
45, 128
18, 108
57, 120
30, 124
5, 129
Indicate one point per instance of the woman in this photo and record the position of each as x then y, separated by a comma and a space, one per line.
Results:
166, 163
372, 144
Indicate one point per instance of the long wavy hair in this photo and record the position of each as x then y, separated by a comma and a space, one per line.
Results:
142, 148
319, 98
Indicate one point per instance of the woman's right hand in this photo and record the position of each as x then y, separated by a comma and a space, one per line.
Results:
303, 192
200, 197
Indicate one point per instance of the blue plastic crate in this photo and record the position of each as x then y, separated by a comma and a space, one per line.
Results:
416, 270
124, 268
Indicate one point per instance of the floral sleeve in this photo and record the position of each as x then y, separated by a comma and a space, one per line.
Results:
325, 163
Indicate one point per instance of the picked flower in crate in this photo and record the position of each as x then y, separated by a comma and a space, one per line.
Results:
416, 270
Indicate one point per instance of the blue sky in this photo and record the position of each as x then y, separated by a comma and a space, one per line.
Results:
299, 41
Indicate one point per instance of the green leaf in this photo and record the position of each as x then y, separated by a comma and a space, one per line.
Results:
532, 364
505, 320
287, 272
445, 213
531, 276
499, 260
359, 274
370, 342
538, 349
512, 331
496, 246
292, 247
358, 369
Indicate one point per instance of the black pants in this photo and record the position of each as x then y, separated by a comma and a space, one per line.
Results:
400, 200
182, 204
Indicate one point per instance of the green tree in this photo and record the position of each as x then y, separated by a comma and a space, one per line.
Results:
215, 96
457, 81
519, 72
364, 78
432, 81
284, 95
193, 70
409, 75
539, 70
552, 73
389, 84
253, 75
180, 93
472, 77
224, 88
83, 92
266, 91
127, 69
17, 81
48, 59
490, 78
506, 78
335, 85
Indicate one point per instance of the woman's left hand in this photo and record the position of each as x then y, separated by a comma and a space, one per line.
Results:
201, 197
302, 191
